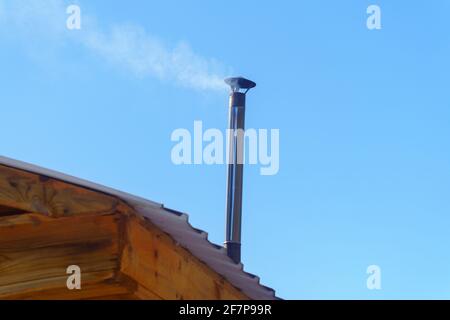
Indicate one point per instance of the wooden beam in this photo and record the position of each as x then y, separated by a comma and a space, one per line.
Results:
105, 290
35, 193
35, 252
153, 259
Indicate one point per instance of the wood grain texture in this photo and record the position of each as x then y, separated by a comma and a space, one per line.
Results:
35, 252
40, 194
168, 271
121, 257
47, 225
105, 290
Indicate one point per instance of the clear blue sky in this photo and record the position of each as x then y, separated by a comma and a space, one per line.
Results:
363, 116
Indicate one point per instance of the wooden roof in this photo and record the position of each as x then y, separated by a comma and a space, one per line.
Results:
126, 247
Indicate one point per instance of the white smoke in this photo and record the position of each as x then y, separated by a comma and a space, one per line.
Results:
144, 55
129, 47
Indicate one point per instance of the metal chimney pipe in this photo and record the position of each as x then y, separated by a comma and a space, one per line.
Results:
239, 88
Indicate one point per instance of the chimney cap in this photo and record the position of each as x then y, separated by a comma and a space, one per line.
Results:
237, 83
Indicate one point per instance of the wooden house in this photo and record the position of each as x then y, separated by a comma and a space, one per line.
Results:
125, 247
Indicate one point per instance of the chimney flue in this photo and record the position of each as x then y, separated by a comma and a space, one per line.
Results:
239, 88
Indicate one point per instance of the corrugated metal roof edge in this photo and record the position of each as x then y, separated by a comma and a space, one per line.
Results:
174, 223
